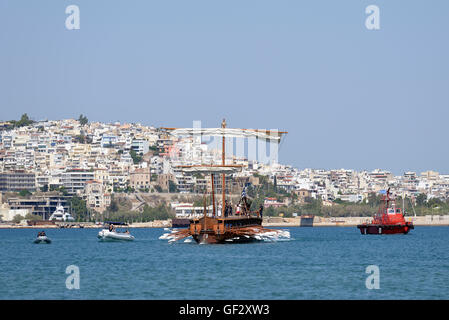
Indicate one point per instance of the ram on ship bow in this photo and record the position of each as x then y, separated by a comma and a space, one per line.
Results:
229, 225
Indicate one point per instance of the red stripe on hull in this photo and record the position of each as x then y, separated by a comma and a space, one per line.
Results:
385, 229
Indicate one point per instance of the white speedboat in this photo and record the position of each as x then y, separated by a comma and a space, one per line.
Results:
42, 239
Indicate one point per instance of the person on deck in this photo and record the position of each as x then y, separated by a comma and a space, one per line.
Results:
226, 208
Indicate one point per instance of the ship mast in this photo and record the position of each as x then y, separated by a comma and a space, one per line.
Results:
223, 151
213, 195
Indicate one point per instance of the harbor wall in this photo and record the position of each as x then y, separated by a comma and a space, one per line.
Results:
429, 220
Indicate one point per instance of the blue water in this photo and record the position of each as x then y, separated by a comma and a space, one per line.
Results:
318, 263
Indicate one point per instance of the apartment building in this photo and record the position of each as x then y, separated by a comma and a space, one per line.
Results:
140, 179
17, 181
75, 180
96, 196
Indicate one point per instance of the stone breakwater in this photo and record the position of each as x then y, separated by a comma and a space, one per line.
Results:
87, 225
429, 220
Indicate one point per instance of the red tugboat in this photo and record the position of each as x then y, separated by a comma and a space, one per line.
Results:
389, 219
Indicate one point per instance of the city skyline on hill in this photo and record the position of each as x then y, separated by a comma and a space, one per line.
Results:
349, 97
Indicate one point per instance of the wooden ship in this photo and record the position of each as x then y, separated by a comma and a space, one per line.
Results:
230, 224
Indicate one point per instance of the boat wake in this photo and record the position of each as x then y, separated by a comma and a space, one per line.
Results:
271, 236
171, 236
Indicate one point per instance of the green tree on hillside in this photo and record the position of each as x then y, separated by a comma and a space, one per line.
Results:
17, 218
79, 208
136, 158
172, 188
24, 193
23, 122
421, 199
83, 120
33, 217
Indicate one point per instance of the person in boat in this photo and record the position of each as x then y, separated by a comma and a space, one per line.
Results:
261, 211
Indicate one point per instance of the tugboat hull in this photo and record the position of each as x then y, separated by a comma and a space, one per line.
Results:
385, 229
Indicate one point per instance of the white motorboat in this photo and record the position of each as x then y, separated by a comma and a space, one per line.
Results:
60, 215
105, 234
111, 233
42, 239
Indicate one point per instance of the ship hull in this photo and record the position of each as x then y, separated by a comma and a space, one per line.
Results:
208, 230
385, 228
212, 238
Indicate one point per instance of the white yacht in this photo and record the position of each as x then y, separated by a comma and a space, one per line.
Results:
60, 214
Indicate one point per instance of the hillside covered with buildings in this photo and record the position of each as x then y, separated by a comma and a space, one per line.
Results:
98, 169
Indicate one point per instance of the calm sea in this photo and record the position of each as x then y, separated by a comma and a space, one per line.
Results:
317, 263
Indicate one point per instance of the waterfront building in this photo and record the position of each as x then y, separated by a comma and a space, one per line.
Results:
272, 202
303, 194
17, 181
140, 179
163, 180
75, 180
41, 206
96, 196
188, 211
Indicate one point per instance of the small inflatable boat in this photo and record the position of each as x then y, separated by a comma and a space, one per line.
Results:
42, 239
106, 235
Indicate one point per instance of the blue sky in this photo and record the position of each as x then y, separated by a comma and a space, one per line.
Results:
349, 97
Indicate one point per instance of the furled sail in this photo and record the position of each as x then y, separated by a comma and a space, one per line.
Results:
210, 169
229, 133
